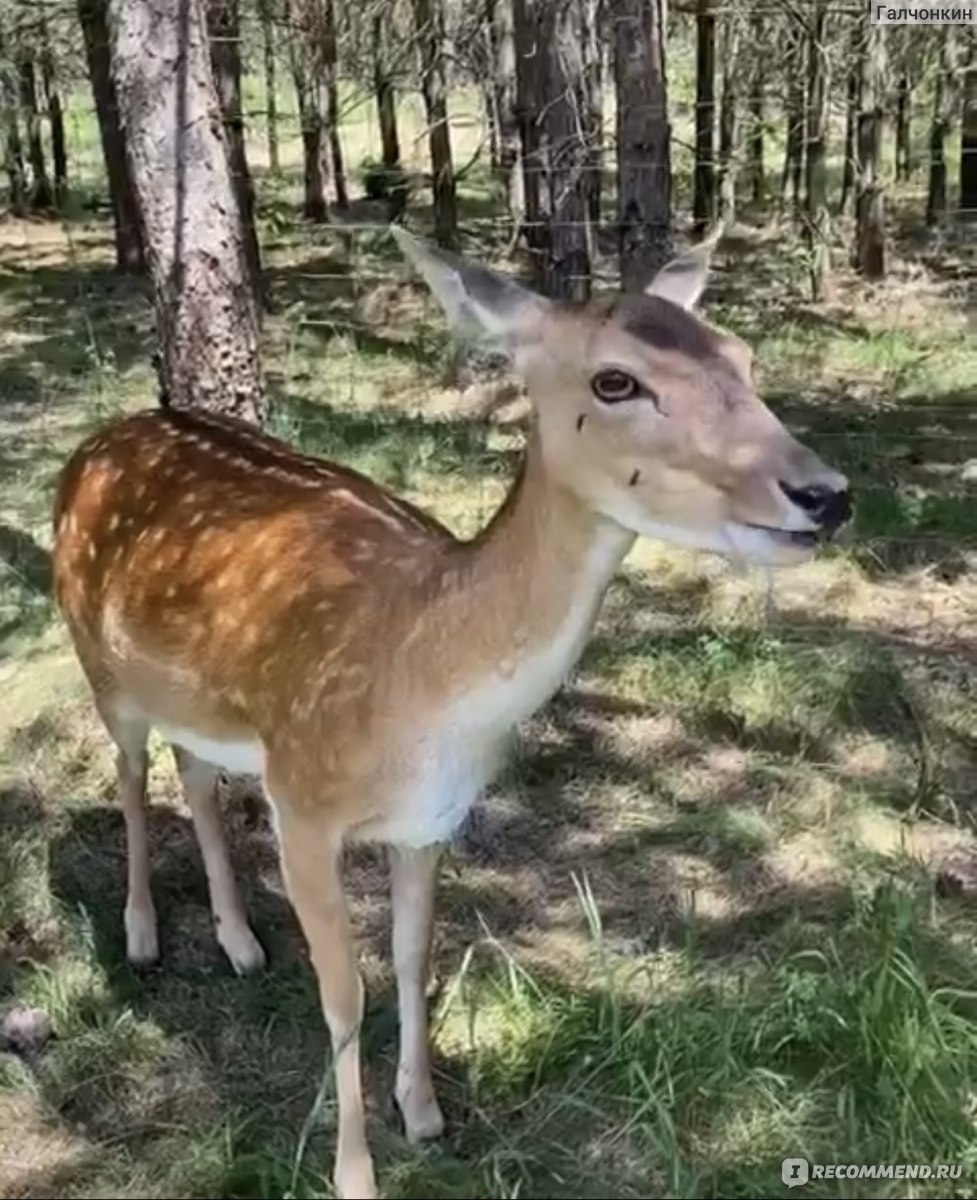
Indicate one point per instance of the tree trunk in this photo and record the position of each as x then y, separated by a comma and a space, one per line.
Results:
644, 170
307, 49
224, 36
904, 164
429, 26
315, 165
794, 144
704, 180
385, 93
856, 71
125, 213
205, 306
968, 141
490, 128
816, 187
732, 68
758, 184
13, 160
487, 69
592, 102
52, 100
504, 80
870, 200
936, 193
13, 151
386, 96
41, 195
335, 145
530, 89
271, 84
549, 75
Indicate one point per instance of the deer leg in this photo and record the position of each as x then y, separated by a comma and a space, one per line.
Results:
413, 879
130, 735
311, 861
233, 931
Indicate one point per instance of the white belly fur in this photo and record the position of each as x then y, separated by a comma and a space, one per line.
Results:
243, 758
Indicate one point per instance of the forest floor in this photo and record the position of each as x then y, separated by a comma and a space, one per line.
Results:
720, 909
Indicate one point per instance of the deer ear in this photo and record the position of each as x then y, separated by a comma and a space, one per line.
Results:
477, 302
684, 279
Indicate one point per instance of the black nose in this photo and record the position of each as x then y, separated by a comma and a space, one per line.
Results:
823, 504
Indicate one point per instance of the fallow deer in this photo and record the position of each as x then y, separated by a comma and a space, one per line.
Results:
271, 612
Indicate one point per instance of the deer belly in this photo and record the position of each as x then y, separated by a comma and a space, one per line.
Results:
238, 757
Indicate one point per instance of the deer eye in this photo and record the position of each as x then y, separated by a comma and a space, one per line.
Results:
613, 386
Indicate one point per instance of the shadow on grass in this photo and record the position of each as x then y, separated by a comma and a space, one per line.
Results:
391, 446
560, 1107
79, 317
586, 1092
30, 561
25, 585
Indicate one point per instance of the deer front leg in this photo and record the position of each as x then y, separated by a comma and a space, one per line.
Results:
413, 882
312, 868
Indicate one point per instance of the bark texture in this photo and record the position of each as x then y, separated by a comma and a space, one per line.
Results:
504, 89
429, 27
790, 181
556, 156
55, 112
265, 13
644, 173
41, 193
816, 183
755, 141
224, 33
205, 305
704, 174
13, 149
856, 72
936, 192
870, 200
968, 140
125, 214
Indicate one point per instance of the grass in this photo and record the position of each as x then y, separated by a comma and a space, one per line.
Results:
717, 911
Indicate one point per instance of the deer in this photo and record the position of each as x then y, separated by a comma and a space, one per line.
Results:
274, 613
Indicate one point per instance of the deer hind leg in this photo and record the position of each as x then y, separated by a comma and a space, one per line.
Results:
130, 734
413, 879
312, 867
233, 931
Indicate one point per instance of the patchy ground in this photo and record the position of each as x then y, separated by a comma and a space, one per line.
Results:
721, 909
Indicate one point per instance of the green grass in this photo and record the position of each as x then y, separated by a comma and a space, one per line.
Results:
717, 911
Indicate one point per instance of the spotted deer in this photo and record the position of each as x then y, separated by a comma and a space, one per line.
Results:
271, 612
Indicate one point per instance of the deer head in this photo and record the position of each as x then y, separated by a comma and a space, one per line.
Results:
648, 413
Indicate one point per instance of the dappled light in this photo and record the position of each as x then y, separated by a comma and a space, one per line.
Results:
717, 907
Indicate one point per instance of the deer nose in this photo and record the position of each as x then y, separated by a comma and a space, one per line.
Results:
829, 507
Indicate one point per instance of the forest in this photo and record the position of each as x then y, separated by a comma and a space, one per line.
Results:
719, 908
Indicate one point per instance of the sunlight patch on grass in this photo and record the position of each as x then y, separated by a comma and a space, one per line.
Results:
858, 1042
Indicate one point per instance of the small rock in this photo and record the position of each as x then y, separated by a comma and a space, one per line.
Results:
26, 1031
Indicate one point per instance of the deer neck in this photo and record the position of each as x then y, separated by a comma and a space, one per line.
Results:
522, 597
